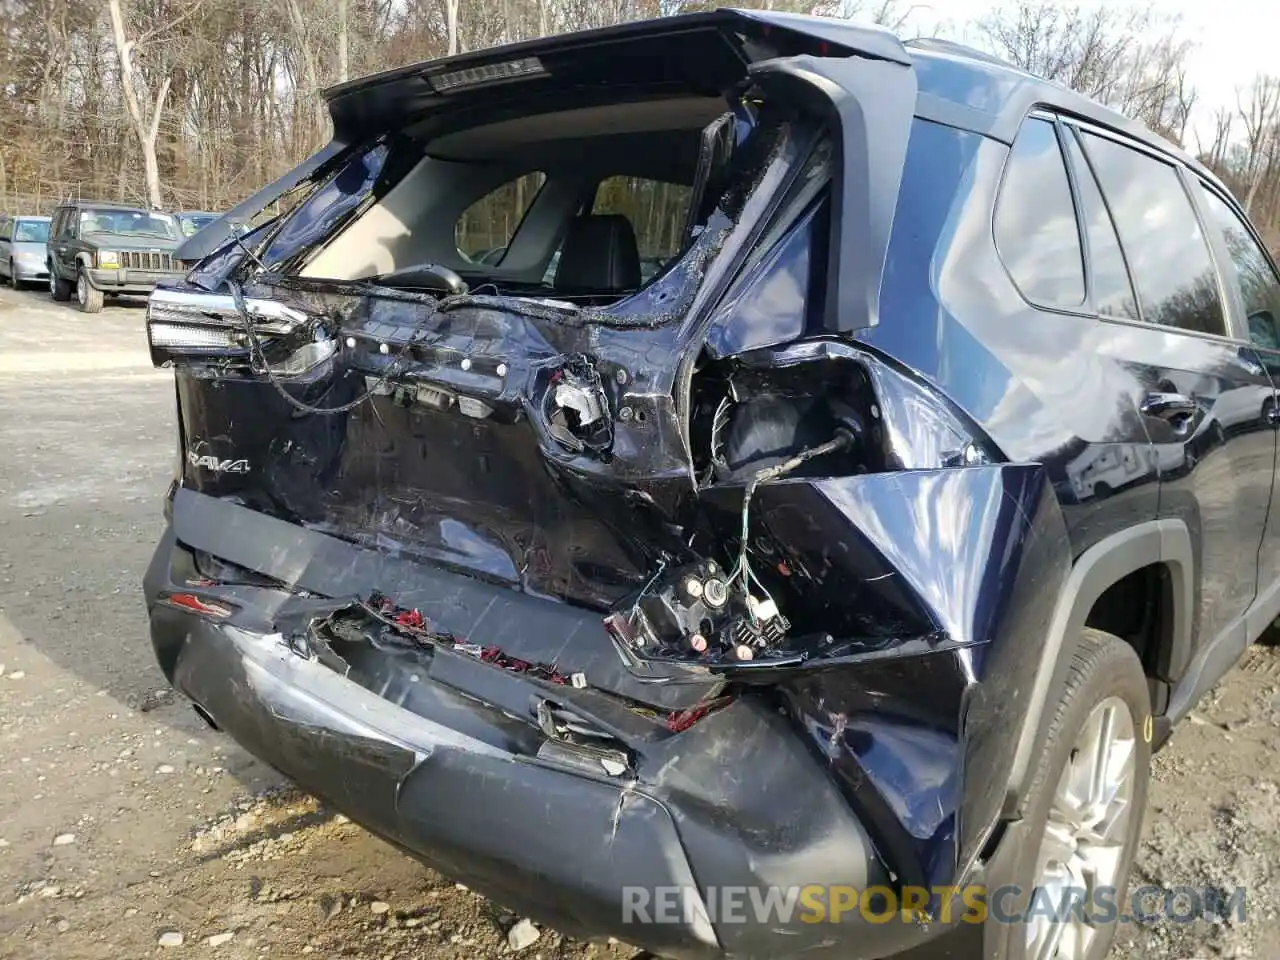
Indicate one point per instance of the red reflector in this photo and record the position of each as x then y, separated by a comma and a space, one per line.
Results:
189, 601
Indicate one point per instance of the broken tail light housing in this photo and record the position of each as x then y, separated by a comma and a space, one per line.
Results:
194, 603
184, 324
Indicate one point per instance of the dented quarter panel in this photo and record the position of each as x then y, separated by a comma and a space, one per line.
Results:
924, 741
937, 588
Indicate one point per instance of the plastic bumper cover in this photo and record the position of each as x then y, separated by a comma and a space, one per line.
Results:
737, 802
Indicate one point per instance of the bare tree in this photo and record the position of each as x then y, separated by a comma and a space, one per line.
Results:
344, 66
451, 24
1259, 113
1127, 56
144, 111
1215, 153
307, 54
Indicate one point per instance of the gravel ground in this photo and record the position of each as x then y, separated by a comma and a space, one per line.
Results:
129, 829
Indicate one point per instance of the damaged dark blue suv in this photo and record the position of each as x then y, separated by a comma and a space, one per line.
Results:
733, 452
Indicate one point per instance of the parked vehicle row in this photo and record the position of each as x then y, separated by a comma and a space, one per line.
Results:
95, 249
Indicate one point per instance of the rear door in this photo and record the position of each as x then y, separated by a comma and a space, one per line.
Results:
1253, 277
1205, 391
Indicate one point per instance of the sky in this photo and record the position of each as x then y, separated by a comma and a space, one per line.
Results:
1234, 41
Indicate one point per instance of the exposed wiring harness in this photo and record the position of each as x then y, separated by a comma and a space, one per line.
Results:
256, 353
742, 568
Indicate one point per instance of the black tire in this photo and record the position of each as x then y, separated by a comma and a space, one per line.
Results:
1102, 667
90, 298
59, 289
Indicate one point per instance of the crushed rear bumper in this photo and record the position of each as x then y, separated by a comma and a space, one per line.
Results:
738, 801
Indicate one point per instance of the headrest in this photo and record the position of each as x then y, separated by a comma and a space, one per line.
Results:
599, 256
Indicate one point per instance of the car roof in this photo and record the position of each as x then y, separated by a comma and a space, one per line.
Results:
980, 92
108, 205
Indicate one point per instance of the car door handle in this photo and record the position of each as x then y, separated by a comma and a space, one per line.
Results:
1175, 409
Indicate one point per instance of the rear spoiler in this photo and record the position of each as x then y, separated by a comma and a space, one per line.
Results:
700, 51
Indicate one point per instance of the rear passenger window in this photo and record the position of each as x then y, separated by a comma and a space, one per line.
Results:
1035, 223
657, 212
1258, 284
1168, 257
487, 226
1112, 292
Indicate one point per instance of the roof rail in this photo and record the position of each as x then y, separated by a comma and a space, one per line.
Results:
939, 45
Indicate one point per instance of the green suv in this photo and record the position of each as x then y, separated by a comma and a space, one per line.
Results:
98, 249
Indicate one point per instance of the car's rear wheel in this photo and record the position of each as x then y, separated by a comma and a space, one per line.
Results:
1088, 798
88, 296
59, 289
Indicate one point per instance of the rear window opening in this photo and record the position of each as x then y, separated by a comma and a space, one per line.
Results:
585, 205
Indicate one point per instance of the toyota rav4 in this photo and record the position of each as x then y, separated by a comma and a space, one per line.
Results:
732, 451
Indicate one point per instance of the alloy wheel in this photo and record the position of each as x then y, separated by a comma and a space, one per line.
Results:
1085, 834
82, 289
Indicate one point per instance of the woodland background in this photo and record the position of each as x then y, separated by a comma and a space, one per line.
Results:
193, 104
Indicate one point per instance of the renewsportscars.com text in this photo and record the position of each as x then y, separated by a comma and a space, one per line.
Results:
816, 903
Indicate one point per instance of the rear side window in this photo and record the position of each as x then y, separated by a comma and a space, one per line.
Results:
658, 212
1035, 222
1258, 285
1168, 256
487, 226
1112, 292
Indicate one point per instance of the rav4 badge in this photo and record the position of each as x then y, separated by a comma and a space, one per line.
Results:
217, 465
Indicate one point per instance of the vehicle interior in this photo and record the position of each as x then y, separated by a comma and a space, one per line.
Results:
583, 203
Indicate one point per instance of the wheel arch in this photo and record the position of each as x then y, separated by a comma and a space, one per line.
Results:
1164, 542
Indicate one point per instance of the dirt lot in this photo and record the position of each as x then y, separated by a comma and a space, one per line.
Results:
125, 823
